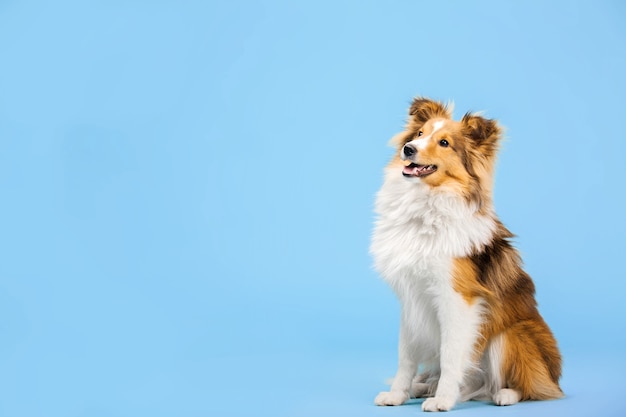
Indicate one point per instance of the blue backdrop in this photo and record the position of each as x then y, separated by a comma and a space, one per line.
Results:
188, 191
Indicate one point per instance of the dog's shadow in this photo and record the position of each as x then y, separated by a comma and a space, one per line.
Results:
465, 405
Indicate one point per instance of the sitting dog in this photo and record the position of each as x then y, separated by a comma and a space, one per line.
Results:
469, 327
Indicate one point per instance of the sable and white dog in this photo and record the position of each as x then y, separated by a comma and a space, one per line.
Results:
469, 328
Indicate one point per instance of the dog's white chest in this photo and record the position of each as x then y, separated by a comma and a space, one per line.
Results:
418, 231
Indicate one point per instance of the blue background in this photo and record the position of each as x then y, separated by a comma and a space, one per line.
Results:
187, 196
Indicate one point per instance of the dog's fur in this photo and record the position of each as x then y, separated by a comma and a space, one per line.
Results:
469, 327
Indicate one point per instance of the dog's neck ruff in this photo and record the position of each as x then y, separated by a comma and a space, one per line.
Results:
421, 222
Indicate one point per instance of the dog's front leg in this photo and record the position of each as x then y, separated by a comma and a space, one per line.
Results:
407, 368
459, 323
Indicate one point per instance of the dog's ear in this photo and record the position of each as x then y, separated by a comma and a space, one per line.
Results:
485, 133
423, 109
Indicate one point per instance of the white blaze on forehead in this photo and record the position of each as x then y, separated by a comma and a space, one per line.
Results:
422, 141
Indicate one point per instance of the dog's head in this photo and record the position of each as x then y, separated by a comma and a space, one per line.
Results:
440, 152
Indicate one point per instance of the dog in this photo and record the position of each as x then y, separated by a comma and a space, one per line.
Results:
469, 327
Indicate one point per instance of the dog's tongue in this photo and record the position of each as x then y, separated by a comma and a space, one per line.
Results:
416, 170
411, 170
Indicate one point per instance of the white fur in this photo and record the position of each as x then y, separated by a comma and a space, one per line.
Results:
507, 396
422, 141
493, 365
418, 233
391, 398
416, 225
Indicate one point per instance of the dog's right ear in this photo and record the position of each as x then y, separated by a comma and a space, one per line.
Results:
422, 109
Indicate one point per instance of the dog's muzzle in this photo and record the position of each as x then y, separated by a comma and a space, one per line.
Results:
408, 151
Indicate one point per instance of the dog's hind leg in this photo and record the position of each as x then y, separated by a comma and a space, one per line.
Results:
531, 364
424, 385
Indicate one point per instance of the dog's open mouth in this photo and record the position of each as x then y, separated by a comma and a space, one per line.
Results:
417, 170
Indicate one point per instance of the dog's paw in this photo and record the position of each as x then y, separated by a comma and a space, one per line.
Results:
438, 404
506, 396
391, 398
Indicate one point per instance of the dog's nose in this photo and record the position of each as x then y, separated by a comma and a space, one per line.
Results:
409, 150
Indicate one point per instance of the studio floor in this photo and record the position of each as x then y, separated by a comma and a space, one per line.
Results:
301, 386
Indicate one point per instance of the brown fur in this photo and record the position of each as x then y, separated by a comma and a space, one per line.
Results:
532, 362
474, 140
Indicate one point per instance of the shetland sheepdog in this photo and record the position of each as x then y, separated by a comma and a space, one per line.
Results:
469, 326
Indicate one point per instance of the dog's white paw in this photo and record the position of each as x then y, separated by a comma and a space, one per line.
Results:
438, 404
391, 398
506, 396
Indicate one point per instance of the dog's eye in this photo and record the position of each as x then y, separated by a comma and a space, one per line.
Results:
444, 143
420, 133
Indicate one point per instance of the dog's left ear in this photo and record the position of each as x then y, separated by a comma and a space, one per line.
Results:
422, 109
485, 133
